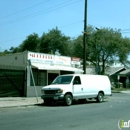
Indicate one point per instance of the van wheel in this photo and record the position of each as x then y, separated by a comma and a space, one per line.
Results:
100, 97
68, 99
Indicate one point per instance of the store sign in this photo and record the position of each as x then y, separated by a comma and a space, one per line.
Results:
75, 60
49, 59
62, 60
42, 58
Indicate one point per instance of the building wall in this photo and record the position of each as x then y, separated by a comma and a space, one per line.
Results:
31, 91
16, 59
42, 76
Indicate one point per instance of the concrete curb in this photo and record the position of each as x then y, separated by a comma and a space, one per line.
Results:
15, 106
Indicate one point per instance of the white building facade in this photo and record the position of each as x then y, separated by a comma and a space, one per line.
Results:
45, 68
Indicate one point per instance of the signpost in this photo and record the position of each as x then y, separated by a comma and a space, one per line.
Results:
30, 68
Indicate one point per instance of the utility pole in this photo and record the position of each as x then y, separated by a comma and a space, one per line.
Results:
85, 37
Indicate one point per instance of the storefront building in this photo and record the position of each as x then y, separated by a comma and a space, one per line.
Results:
45, 67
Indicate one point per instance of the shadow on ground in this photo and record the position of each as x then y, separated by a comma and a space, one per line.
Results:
58, 104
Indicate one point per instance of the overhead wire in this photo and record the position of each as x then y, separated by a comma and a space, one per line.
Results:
125, 31
64, 4
23, 10
41, 12
59, 27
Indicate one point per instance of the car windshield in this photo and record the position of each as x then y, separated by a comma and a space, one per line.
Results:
62, 80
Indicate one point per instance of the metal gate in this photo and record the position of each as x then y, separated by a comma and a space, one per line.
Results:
12, 83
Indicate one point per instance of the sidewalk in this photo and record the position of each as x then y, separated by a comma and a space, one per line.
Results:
127, 92
6, 102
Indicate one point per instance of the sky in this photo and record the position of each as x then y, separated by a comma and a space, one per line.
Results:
20, 18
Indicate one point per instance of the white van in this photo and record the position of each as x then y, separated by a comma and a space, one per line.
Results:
77, 87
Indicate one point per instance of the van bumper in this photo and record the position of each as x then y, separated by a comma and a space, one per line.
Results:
53, 97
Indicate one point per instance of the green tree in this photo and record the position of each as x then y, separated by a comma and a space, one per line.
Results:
78, 47
2, 53
124, 50
54, 41
78, 43
71, 47
108, 45
14, 50
103, 46
30, 43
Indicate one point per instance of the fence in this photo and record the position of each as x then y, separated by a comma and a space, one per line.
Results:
12, 83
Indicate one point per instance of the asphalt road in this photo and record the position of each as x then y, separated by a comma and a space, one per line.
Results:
87, 116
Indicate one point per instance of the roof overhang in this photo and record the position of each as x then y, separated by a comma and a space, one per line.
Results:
117, 69
53, 67
125, 73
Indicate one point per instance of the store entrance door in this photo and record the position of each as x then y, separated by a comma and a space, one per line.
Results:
51, 77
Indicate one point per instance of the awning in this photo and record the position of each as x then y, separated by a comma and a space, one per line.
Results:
53, 67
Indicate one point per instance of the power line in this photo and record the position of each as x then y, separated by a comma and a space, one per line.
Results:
12, 39
41, 12
71, 24
24, 9
122, 31
58, 27
125, 30
40, 32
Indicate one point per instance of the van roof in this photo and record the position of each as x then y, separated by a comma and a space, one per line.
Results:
81, 75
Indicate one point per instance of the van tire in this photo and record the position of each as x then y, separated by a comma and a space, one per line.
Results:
100, 97
68, 99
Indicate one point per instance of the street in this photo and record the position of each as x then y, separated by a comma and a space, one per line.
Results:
87, 116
